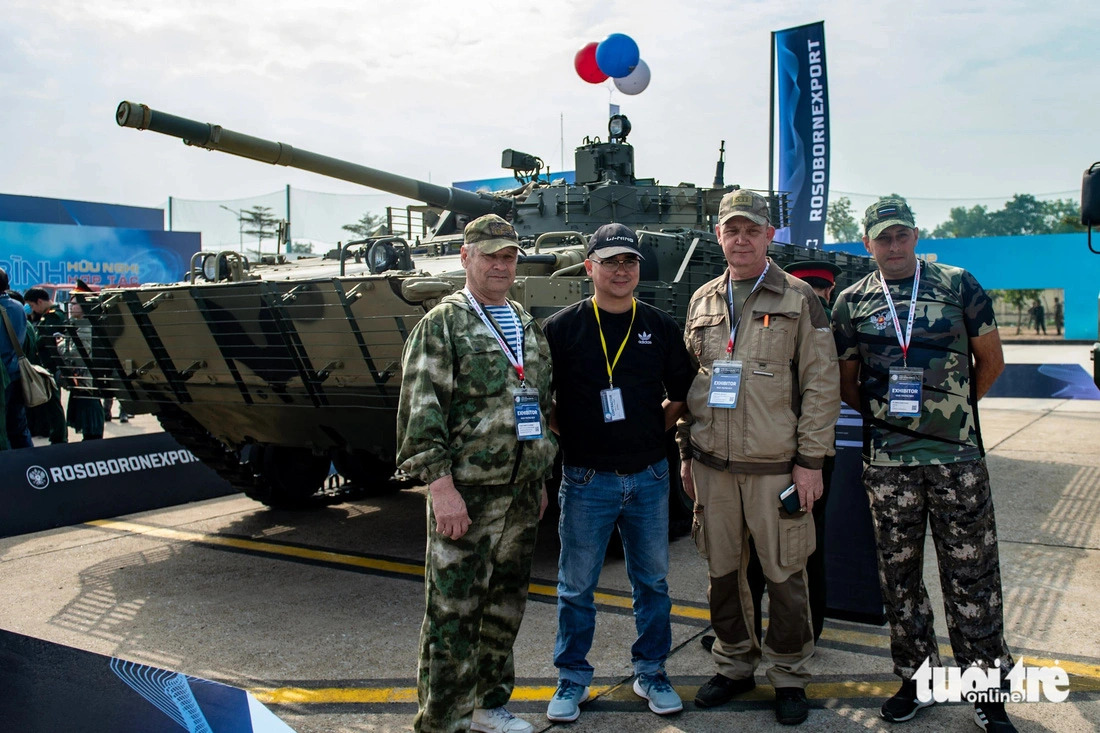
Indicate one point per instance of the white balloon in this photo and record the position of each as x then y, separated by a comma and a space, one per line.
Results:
636, 81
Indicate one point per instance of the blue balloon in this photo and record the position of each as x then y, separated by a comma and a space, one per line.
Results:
617, 55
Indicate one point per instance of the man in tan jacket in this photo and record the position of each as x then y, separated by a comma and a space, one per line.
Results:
762, 410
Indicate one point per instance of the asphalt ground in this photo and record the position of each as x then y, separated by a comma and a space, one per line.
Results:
318, 613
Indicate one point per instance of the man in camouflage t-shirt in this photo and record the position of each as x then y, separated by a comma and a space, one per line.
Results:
918, 346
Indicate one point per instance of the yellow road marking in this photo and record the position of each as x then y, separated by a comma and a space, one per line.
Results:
613, 693
1079, 670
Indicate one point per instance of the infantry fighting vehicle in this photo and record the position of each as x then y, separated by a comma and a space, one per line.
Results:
269, 371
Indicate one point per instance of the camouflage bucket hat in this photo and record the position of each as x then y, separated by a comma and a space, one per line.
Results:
748, 204
885, 213
490, 234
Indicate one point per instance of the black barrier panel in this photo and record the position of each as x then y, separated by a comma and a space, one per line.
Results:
851, 564
50, 687
69, 483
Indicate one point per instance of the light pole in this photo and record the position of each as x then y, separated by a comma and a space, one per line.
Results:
240, 224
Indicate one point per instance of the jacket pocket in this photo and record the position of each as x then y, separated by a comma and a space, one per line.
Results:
771, 427
708, 334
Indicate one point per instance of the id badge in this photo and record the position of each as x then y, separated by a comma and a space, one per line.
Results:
612, 401
725, 384
528, 414
905, 393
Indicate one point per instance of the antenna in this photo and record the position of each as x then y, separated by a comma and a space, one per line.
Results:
720, 169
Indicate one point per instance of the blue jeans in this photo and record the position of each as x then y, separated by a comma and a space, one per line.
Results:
19, 435
592, 504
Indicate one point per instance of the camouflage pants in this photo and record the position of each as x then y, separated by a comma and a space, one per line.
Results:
475, 591
955, 500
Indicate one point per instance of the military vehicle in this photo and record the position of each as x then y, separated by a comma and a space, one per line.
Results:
269, 371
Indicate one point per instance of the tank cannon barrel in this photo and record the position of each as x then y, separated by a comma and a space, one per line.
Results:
215, 137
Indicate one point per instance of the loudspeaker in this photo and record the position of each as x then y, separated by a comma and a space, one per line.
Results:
1090, 196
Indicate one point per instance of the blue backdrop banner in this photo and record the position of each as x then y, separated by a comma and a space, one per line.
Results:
803, 131
36, 254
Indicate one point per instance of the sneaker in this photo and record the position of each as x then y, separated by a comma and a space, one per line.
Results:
499, 720
991, 716
904, 704
721, 689
565, 705
123, 417
707, 642
659, 691
791, 707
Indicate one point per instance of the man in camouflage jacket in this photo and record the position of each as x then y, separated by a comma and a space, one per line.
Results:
924, 461
457, 432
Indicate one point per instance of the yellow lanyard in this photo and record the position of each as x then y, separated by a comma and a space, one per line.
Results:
603, 342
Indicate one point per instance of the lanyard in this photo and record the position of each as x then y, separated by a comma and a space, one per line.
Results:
729, 293
515, 360
603, 342
904, 343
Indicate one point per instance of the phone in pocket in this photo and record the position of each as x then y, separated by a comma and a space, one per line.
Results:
788, 497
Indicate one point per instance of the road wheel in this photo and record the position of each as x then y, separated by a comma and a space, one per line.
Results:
371, 475
285, 477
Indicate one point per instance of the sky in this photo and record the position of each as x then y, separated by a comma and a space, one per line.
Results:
947, 103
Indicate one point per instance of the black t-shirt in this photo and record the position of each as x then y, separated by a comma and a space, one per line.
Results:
654, 364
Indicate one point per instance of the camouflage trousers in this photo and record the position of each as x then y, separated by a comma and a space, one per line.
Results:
955, 500
475, 591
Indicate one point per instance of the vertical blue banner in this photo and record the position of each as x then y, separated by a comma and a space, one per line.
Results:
803, 131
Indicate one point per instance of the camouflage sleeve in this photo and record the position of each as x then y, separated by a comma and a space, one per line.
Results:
844, 333
426, 385
977, 307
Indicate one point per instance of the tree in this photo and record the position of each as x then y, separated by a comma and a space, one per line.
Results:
840, 221
1022, 214
302, 248
262, 222
366, 226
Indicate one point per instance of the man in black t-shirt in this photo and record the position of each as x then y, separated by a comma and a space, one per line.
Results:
621, 376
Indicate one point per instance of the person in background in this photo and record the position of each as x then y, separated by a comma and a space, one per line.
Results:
918, 347
1059, 315
51, 325
15, 413
84, 410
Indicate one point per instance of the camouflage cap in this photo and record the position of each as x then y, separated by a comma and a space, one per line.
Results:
748, 204
490, 234
885, 213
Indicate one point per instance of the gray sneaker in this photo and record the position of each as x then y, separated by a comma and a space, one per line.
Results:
565, 705
659, 691
498, 720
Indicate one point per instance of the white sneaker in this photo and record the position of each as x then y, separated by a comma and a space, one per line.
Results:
499, 720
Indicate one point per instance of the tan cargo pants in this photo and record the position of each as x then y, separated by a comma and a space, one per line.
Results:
729, 509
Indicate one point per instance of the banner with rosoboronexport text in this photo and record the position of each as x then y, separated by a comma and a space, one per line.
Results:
803, 131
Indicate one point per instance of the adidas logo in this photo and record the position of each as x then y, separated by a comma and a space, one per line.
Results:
645, 338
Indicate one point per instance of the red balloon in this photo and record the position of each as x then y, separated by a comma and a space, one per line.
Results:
585, 64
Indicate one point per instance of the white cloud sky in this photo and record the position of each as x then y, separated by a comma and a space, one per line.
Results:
939, 100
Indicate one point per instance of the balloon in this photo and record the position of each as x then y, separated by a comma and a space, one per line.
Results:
585, 64
617, 55
636, 81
